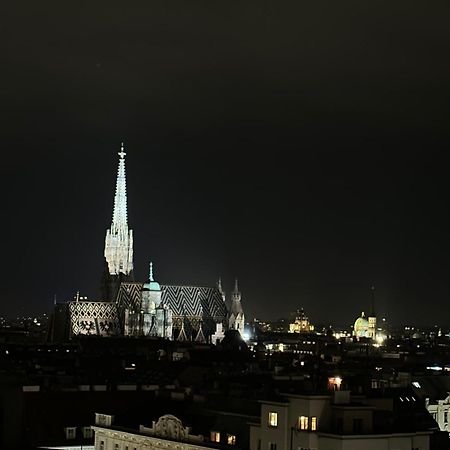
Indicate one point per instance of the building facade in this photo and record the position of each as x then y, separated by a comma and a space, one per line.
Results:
167, 433
328, 422
301, 323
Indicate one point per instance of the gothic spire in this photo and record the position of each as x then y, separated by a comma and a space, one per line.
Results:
119, 239
119, 221
236, 288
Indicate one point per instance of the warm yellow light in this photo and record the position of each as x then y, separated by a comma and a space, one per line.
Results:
273, 419
303, 423
215, 436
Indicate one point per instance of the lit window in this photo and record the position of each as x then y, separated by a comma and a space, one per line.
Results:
273, 419
215, 436
302, 423
231, 439
313, 423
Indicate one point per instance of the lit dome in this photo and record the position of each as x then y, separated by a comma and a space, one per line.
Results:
361, 326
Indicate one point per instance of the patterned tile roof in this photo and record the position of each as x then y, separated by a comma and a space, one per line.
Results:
191, 301
93, 318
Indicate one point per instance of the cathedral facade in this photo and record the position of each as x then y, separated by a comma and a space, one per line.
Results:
147, 308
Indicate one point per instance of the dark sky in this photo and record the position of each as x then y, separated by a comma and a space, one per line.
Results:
297, 145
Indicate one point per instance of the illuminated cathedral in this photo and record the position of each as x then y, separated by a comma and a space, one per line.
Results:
366, 327
136, 308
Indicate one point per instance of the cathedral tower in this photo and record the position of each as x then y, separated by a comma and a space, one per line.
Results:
236, 317
119, 239
372, 317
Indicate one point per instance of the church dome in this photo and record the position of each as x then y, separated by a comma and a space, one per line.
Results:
361, 326
152, 286
361, 322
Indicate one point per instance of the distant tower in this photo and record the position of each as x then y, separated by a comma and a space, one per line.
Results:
236, 317
119, 239
220, 288
372, 330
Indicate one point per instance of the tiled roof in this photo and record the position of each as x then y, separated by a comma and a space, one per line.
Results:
193, 301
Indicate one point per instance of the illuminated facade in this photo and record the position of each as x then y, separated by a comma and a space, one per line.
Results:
167, 433
148, 309
301, 323
119, 239
365, 326
150, 317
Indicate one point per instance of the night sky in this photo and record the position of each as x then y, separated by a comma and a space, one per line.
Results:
299, 146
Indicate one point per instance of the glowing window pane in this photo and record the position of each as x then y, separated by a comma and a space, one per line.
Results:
215, 436
313, 423
303, 423
231, 439
273, 419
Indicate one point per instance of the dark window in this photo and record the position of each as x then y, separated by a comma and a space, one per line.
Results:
339, 425
357, 426
272, 446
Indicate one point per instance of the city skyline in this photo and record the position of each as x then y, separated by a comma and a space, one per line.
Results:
307, 163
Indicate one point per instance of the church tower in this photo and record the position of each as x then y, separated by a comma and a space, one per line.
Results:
372, 331
119, 239
236, 317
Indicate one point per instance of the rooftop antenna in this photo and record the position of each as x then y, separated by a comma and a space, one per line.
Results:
372, 291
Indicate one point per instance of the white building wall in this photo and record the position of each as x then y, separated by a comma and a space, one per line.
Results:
278, 435
375, 442
319, 406
255, 436
109, 439
440, 412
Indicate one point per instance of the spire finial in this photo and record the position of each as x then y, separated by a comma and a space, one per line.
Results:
151, 272
122, 152
236, 288
372, 290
